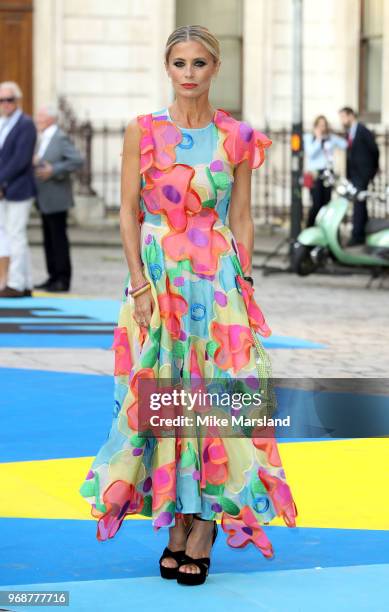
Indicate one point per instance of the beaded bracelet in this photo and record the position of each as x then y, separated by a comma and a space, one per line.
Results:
142, 290
135, 289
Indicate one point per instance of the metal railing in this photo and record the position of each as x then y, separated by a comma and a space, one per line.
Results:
102, 148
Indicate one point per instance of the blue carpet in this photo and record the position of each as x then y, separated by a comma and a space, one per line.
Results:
34, 402
21, 320
343, 589
50, 550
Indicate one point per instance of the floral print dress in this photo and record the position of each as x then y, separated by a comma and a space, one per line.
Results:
205, 323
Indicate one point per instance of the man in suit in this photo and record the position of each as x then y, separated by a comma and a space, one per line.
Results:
17, 191
362, 166
55, 159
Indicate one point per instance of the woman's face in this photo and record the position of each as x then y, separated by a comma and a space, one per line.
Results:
322, 125
191, 68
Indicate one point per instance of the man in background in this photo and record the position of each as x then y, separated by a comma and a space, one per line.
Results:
362, 166
17, 191
56, 158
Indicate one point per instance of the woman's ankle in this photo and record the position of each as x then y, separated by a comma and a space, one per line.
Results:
199, 543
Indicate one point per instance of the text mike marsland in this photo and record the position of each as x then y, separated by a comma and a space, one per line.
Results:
214, 421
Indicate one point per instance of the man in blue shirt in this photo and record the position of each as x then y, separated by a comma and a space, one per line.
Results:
17, 191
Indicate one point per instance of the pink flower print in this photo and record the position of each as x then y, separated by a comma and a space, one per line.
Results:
268, 446
164, 485
214, 465
280, 494
172, 307
243, 256
244, 528
170, 193
254, 313
120, 498
133, 409
199, 243
235, 343
158, 141
242, 141
123, 360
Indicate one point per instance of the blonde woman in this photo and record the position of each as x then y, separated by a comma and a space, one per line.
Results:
189, 313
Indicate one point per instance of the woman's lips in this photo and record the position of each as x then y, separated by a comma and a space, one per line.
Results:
189, 85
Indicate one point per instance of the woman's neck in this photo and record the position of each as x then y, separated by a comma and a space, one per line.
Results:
192, 113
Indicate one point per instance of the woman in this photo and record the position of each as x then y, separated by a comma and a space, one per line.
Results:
188, 312
319, 149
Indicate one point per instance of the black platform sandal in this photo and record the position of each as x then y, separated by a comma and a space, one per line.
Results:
171, 572
203, 563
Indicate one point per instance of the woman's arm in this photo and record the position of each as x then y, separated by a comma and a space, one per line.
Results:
129, 208
240, 219
312, 146
339, 142
129, 221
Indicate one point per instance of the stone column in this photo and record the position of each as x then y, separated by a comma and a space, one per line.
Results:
385, 67
46, 38
257, 68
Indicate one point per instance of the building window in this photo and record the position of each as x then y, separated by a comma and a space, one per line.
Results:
370, 65
224, 19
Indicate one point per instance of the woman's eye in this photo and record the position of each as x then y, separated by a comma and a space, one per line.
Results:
198, 63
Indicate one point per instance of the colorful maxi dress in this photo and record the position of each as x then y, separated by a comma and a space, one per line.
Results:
205, 323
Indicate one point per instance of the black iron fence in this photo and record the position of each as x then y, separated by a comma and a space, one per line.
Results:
271, 199
102, 147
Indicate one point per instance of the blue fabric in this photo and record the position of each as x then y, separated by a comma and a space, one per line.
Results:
17, 179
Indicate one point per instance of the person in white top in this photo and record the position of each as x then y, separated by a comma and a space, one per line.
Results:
17, 191
319, 147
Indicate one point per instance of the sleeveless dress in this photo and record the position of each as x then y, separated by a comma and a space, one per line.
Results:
205, 323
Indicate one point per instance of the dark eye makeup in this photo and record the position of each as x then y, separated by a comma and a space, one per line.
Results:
180, 63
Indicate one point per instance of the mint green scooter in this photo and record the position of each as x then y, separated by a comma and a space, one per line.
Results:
316, 245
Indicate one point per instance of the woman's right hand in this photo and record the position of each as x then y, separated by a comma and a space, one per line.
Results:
318, 133
144, 307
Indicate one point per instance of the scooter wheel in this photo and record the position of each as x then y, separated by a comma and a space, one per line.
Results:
302, 262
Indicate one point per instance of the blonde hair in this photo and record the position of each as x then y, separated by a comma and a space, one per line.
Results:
14, 87
193, 32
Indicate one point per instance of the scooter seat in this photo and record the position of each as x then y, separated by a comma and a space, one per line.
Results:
376, 225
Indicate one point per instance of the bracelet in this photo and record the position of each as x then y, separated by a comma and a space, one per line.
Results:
249, 279
135, 289
140, 291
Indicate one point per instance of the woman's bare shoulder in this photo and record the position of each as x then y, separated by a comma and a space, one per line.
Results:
132, 132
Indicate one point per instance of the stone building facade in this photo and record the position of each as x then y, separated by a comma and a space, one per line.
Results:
106, 58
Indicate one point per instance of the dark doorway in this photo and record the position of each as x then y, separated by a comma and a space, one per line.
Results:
16, 47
